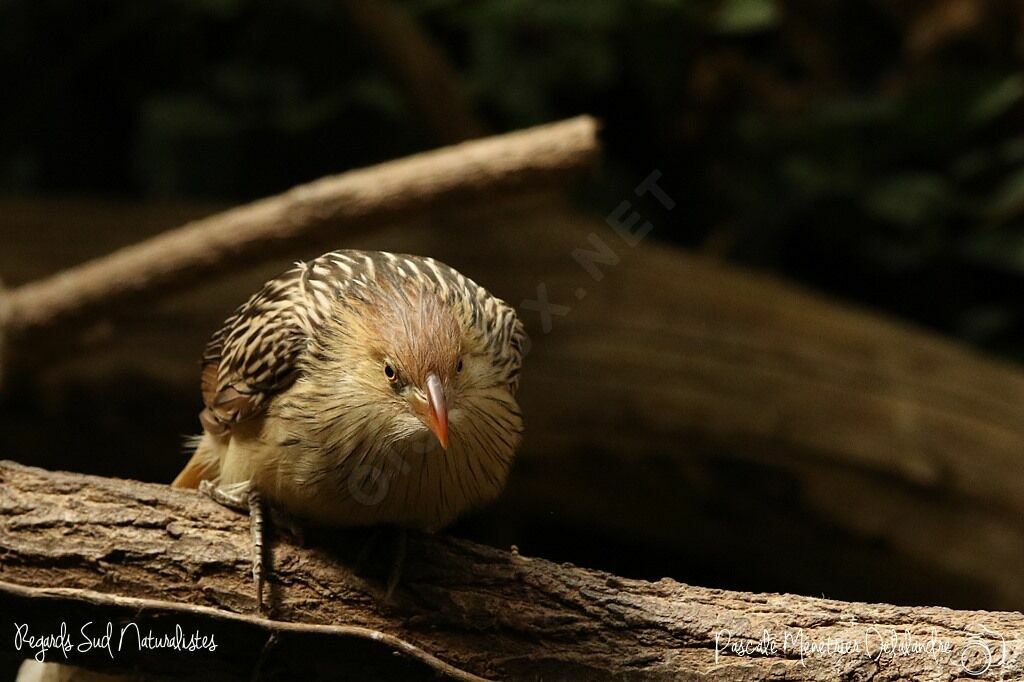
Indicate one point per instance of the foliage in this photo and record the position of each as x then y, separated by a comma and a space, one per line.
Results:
871, 149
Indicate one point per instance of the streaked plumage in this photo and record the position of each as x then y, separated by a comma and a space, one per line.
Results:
298, 401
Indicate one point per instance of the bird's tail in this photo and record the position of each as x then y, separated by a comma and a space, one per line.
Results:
204, 464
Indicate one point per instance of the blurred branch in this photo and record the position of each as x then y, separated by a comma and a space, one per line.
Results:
77, 548
470, 173
5, 307
879, 459
419, 66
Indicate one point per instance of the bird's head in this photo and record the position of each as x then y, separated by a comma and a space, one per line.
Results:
415, 365
413, 348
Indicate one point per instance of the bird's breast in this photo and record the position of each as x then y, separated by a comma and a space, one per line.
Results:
411, 482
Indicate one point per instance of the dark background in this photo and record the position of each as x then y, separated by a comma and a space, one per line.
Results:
870, 150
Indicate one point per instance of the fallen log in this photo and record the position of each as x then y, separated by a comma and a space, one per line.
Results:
474, 172
685, 414
87, 551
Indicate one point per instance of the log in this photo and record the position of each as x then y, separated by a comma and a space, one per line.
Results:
846, 453
472, 172
81, 550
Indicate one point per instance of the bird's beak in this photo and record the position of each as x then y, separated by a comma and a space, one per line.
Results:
437, 410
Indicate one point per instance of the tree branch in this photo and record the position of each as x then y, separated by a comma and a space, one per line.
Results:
677, 402
468, 173
76, 548
878, 460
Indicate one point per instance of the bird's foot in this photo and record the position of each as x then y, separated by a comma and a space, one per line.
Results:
242, 497
290, 524
363, 556
394, 576
234, 496
397, 564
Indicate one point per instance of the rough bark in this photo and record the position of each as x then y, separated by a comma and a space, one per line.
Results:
752, 432
77, 548
472, 172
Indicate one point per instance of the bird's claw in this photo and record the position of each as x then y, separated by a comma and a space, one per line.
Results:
397, 564
234, 496
242, 498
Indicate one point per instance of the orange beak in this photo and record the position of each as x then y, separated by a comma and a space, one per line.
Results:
437, 410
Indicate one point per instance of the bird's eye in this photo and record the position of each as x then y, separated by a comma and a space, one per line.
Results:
458, 367
390, 373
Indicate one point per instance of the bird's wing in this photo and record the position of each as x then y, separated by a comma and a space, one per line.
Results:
518, 346
255, 353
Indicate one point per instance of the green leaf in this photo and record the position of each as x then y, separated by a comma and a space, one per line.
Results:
1012, 150
997, 100
996, 248
973, 163
909, 199
1008, 200
746, 16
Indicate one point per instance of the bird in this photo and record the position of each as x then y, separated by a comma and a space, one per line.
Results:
360, 388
